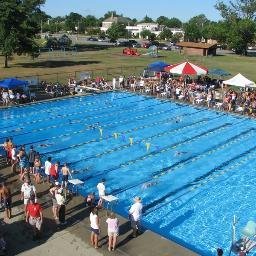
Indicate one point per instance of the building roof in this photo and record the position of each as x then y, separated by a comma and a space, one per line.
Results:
196, 45
117, 19
147, 24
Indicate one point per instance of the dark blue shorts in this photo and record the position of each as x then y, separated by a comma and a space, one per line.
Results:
65, 178
96, 231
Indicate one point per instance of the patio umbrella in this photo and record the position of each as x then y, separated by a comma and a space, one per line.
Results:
157, 66
218, 72
187, 68
12, 83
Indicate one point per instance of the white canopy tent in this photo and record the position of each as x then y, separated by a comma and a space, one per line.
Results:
240, 81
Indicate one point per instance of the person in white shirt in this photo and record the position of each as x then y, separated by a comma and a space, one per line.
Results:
101, 190
135, 214
14, 158
5, 97
47, 168
114, 83
95, 228
27, 191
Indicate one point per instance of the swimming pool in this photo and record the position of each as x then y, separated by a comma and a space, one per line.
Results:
201, 162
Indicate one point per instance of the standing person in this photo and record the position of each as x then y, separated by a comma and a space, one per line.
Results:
6, 198
101, 190
5, 146
61, 206
31, 159
135, 214
65, 172
27, 191
34, 216
5, 97
8, 148
37, 166
114, 83
14, 159
113, 229
47, 168
54, 171
95, 227
53, 192
23, 162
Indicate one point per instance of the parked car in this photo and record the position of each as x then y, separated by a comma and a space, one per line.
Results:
111, 40
132, 41
148, 44
136, 45
92, 39
124, 44
165, 47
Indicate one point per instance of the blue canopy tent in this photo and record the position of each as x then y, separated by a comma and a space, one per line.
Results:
13, 83
218, 72
157, 66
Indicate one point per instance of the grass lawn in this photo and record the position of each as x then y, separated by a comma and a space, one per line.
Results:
109, 62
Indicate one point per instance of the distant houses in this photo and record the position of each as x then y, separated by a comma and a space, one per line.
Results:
107, 23
138, 28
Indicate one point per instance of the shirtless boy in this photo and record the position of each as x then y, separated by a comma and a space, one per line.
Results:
6, 198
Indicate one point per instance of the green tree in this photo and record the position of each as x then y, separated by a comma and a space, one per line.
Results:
243, 9
147, 19
166, 34
174, 23
18, 27
217, 31
72, 21
177, 37
91, 21
93, 31
194, 28
241, 35
239, 17
117, 30
162, 20
111, 13
145, 33
170, 23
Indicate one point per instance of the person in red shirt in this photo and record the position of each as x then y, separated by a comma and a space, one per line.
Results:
34, 217
54, 171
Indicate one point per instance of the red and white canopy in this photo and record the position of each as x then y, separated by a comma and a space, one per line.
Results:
187, 68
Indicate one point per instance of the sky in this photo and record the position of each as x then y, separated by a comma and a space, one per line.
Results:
181, 9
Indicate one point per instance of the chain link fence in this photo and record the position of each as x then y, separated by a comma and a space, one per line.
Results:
62, 78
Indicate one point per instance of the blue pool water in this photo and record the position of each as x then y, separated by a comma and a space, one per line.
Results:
202, 163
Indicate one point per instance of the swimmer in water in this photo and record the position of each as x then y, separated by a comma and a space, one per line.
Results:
178, 119
149, 184
45, 145
179, 153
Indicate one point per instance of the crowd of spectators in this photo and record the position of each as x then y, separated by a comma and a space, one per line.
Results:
201, 90
10, 97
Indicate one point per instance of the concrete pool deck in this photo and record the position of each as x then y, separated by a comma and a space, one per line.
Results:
74, 238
